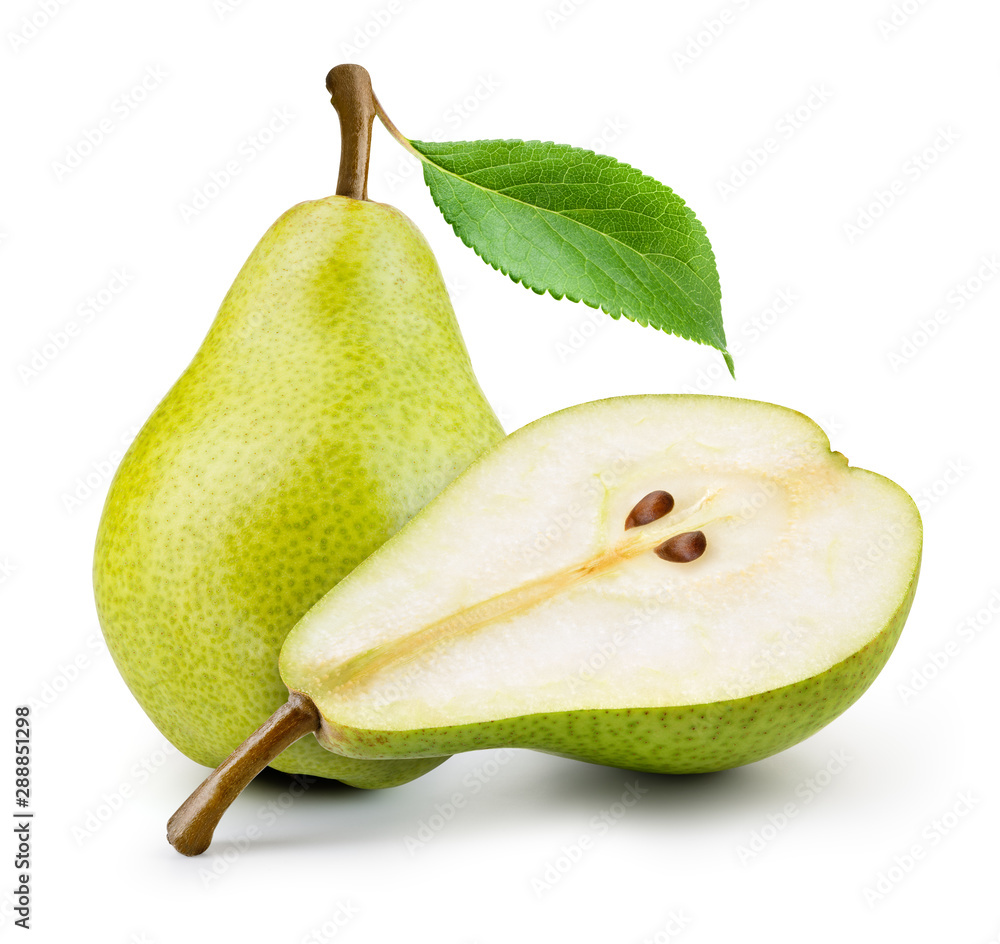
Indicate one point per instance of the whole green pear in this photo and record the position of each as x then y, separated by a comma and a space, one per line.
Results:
331, 399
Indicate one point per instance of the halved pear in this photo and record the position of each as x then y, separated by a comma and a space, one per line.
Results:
666, 583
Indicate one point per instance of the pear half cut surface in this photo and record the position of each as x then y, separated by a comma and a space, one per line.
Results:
673, 583
517, 609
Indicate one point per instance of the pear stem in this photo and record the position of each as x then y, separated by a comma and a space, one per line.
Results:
350, 88
190, 828
389, 126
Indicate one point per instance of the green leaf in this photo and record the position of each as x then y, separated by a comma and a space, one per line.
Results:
581, 225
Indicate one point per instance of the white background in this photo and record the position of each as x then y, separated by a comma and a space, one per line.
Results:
881, 827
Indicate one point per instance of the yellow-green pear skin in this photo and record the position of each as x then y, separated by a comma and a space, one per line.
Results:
332, 398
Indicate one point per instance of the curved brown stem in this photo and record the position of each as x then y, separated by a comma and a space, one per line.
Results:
190, 828
350, 88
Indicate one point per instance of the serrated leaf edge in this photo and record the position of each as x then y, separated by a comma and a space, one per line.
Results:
644, 322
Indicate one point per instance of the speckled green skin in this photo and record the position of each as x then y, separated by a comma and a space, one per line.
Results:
676, 740
332, 398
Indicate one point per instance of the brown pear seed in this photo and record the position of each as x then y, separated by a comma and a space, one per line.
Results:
682, 548
654, 505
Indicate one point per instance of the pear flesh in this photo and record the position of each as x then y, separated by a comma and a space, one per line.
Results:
331, 399
517, 609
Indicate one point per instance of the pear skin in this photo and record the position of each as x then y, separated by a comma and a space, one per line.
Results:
332, 398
